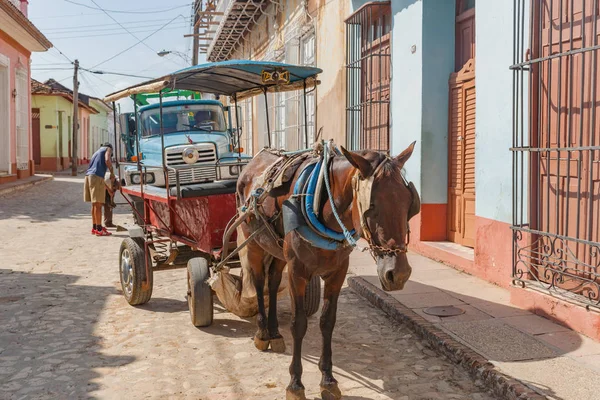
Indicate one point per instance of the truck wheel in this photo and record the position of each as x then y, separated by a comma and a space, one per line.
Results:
132, 270
312, 297
199, 294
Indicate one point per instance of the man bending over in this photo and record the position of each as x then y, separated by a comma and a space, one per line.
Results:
94, 190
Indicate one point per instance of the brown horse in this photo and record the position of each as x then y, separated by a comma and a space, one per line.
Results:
383, 222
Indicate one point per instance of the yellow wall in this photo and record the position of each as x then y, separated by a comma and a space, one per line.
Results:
49, 114
331, 58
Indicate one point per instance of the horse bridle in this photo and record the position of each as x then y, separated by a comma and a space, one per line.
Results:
362, 192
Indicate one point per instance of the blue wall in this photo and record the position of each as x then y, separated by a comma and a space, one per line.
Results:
407, 69
420, 90
438, 64
493, 119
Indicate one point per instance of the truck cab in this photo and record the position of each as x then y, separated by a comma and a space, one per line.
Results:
200, 145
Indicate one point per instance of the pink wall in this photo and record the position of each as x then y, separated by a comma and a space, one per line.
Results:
18, 58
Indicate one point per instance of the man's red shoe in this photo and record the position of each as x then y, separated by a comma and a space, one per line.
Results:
94, 232
103, 232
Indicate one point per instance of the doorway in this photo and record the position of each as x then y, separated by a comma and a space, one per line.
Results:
461, 130
35, 126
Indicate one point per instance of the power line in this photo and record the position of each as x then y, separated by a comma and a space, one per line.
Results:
86, 27
124, 11
62, 54
177, 26
114, 73
135, 44
121, 25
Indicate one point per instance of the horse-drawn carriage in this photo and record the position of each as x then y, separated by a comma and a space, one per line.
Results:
193, 190
182, 181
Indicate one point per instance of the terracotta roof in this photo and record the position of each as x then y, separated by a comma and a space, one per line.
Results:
39, 88
44, 89
24, 22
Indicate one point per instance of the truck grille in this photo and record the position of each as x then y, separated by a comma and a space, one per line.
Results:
194, 175
200, 171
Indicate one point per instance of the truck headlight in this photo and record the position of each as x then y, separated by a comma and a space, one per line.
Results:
148, 178
230, 171
234, 170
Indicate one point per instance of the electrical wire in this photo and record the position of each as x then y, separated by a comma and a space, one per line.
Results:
124, 11
87, 27
178, 26
135, 44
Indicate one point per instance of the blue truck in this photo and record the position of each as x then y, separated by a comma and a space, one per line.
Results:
199, 141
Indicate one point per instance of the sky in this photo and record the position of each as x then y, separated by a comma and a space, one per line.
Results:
80, 30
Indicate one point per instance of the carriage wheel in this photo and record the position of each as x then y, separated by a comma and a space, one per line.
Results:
199, 293
312, 297
132, 270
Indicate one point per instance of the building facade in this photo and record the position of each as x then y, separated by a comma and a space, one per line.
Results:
501, 99
18, 39
52, 126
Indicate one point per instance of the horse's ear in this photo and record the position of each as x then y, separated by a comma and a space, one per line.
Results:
403, 157
358, 162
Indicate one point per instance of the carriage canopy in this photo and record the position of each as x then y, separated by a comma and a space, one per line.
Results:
239, 79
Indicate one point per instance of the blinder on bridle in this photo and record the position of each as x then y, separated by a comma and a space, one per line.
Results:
362, 189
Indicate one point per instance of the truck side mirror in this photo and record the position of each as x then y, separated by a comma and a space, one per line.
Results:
131, 125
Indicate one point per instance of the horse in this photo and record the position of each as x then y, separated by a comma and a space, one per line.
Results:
381, 219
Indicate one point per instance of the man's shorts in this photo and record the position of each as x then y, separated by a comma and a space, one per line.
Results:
93, 189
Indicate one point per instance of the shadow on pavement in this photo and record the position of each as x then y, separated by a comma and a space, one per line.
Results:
47, 343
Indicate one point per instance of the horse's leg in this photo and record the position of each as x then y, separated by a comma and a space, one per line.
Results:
333, 285
295, 390
275, 271
253, 256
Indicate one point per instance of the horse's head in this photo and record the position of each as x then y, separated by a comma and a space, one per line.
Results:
384, 203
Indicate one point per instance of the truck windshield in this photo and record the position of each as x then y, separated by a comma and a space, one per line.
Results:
193, 117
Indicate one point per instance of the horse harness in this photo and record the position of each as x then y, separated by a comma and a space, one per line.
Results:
284, 168
362, 193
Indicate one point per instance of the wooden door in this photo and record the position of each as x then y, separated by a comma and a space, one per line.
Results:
464, 33
35, 126
461, 145
565, 126
375, 79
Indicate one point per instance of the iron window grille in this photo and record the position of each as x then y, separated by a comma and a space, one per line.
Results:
368, 74
556, 148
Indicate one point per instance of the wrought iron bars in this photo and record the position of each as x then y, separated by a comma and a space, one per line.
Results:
368, 73
556, 148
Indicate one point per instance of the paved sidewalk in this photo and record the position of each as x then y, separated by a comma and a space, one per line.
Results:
21, 184
545, 357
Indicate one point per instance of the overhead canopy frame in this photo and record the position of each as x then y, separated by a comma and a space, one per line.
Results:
236, 78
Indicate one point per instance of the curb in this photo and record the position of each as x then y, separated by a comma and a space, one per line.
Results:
478, 367
25, 185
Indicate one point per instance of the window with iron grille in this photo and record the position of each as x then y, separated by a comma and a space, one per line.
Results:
286, 109
247, 129
368, 74
556, 148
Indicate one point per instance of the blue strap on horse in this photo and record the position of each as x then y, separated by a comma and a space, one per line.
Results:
300, 206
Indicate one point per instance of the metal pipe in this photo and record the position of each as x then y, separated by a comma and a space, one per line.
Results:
239, 135
267, 111
305, 119
114, 106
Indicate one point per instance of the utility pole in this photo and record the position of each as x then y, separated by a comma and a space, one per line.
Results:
197, 6
75, 119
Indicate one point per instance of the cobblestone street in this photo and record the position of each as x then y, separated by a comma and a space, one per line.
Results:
67, 332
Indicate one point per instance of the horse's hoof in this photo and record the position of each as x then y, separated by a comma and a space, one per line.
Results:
331, 392
297, 394
278, 345
260, 344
